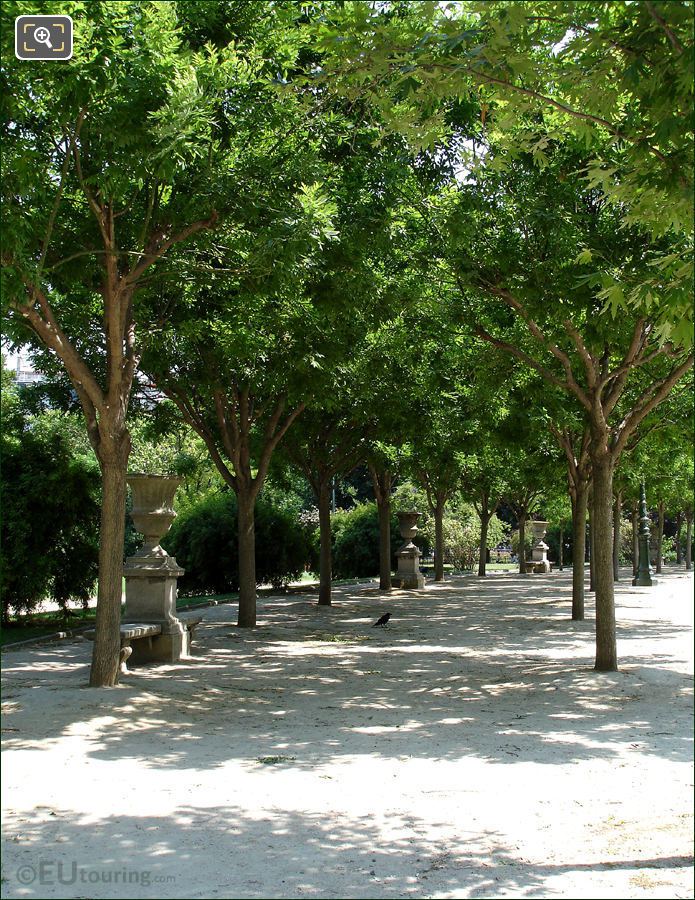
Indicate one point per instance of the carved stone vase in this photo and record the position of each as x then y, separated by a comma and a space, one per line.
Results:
408, 575
153, 509
151, 574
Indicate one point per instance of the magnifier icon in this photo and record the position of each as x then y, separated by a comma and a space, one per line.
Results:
43, 36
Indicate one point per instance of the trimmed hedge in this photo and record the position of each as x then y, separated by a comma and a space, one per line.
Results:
204, 541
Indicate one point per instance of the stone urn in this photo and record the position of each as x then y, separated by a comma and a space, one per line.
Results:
408, 575
151, 574
153, 508
407, 523
539, 529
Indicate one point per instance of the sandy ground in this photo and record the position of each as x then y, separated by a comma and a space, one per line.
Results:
469, 750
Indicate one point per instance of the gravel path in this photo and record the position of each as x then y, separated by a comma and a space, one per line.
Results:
468, 750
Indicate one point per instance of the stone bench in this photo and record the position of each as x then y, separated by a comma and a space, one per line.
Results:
537, 568
141, 631
131, 631
190, 620
159, 648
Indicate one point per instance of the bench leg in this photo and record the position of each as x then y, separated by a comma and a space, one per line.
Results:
123, 657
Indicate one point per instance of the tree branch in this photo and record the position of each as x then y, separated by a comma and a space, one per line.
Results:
571, 384
590, 365
530, 361
195, 421
93, 205
649, 400
52, 216
675, 43
54, 337
159, 244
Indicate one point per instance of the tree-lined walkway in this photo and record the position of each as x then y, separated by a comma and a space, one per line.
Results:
467, 751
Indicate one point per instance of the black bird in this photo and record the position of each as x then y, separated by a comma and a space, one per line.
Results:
382, 621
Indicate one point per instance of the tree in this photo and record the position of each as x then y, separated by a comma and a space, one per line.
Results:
382, 474
615, 372
114, 161
325, 445
615, 77
228, 377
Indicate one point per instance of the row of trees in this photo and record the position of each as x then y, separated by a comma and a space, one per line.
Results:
326, 227
43, 447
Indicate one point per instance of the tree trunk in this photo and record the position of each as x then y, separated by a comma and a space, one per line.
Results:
439, 540
522, 543
635, 537
484, 524
382, 492
560, 561
107, 636
688, 542
617, 519
679, 529
325, 557
385, 544
602, 560
590, 544
246, 502
579, 508
660, 538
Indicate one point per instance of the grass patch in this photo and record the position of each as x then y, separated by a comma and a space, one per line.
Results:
274, 760
36, 625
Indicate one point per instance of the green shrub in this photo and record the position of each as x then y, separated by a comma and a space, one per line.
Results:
49, 496
204, 541
668, 549
356, 541
462, 536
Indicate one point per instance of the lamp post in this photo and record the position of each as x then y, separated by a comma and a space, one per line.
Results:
644, 576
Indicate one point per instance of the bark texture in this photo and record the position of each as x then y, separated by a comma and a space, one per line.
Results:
579, 511
482, 558
602, 560
325, 552
246, 503
617, 519
688, 541
382, 482
107, 639
439, 540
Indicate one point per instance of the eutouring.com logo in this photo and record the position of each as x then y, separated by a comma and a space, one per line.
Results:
43, 37
50, 872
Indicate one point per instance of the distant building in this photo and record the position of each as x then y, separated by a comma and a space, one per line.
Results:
20, 363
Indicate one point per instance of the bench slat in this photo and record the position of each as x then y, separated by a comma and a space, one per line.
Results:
132, 630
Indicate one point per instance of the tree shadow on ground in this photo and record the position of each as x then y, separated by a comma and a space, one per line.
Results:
276, 854
464, 671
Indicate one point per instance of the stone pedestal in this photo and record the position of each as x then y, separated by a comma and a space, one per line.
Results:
151, 574
408, 574
539, 554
